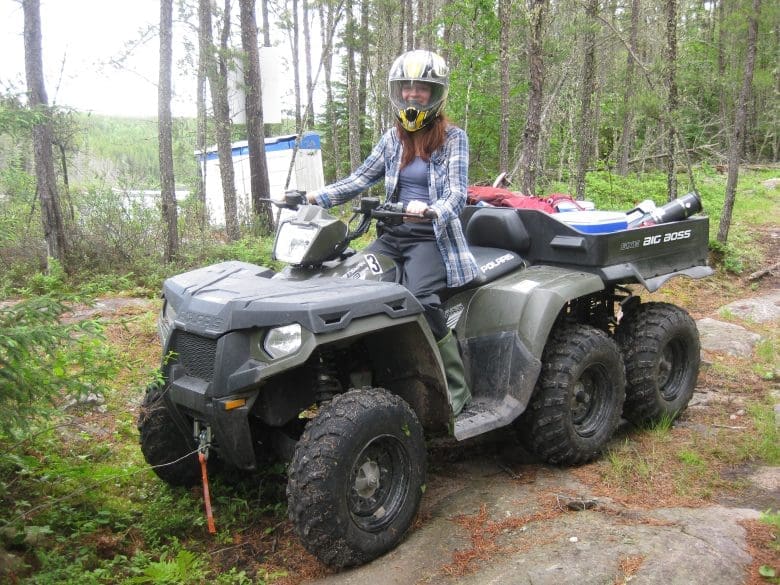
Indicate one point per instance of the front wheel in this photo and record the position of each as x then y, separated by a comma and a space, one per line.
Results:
356, 479
662, 353
172, 455
578, 398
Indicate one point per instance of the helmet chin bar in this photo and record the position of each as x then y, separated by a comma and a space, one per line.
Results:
413, 119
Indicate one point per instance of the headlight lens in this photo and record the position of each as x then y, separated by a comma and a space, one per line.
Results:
165, 322
293, 241
283, 341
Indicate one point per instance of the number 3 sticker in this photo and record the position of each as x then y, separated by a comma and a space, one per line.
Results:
373, 264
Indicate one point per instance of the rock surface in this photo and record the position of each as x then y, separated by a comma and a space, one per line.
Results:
717, 336
606, 543
763, 309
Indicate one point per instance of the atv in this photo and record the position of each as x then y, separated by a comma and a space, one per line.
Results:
302, 365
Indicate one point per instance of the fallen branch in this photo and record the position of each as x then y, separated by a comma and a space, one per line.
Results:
760, 273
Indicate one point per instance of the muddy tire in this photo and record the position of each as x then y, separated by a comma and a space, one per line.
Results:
578, 399
164, 446
356, 479
662, 354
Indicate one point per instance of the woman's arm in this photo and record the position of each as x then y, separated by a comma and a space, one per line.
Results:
367, 174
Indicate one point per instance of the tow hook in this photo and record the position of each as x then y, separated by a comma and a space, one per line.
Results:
203, 436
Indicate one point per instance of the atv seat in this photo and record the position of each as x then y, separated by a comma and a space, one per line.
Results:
497, 227
496, 238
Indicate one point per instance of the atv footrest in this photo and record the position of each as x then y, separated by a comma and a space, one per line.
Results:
481, 416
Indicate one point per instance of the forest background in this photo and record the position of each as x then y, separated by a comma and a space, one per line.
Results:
615, 101
548, 92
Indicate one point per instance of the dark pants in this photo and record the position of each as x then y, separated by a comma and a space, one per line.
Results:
413, 246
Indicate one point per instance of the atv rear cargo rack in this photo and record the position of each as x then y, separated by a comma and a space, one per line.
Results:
647, 255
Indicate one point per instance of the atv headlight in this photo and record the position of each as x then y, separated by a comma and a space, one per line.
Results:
283, 341
293, 241
165, 322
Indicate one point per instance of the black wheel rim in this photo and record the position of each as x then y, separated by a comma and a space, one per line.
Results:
590, 408
672, 367
379, 483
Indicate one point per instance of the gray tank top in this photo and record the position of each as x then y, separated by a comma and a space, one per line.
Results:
413, 182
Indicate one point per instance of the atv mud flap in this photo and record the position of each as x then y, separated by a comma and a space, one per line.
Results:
503, 375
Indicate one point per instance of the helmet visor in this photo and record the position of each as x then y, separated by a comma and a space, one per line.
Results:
424, 96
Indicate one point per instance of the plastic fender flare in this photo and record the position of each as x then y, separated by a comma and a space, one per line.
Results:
546, 300
531, 299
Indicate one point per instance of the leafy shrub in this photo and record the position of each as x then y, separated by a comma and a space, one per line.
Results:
185, 567
40, 357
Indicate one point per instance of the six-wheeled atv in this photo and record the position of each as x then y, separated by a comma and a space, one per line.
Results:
330, 365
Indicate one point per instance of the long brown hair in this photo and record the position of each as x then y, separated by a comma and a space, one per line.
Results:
423, 142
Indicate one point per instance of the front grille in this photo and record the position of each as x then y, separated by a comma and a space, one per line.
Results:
197, 354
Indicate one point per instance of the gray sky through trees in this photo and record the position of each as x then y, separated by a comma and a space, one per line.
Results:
87, 35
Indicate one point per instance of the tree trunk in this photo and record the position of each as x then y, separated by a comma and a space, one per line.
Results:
363, 76
165, 132
353, 100
588, 89
735, 149
65, 178
46, 181
307, 57
529, 156
202, 118
504, 19
217, 74
266, 25
255, 130
722, 82
672, 102
296, 67
327, 19
627, 134
409, 14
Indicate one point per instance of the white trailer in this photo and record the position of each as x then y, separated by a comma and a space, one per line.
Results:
307, 173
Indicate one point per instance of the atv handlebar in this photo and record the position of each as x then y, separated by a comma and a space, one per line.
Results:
398, 211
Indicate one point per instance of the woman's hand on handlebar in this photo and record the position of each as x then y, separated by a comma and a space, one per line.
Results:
419, 208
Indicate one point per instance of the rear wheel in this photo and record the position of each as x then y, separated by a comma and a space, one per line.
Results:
662, 354
357, 476
578, 398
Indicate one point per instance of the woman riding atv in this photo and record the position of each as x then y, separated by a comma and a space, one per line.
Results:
424, 162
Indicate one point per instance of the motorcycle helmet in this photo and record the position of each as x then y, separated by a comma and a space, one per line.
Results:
418, 67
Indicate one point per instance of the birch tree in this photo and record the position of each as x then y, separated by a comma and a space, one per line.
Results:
740, 117
45, 178
627, 133
217, 75
165, 131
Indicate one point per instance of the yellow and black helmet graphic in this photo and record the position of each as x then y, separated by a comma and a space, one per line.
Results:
416, 109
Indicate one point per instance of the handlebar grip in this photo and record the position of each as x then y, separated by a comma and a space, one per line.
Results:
430, 214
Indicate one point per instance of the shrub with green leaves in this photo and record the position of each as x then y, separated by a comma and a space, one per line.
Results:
42, 358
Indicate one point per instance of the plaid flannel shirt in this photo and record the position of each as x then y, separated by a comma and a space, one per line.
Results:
447, 183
